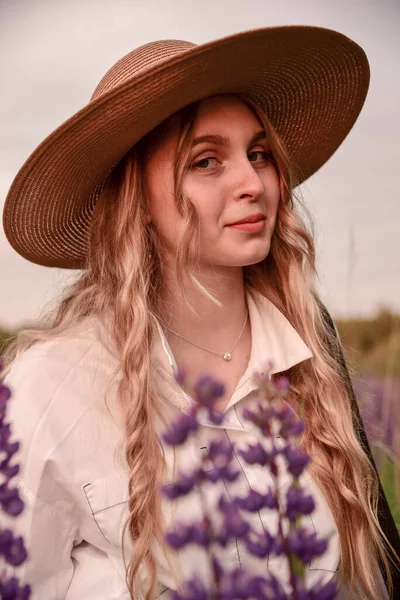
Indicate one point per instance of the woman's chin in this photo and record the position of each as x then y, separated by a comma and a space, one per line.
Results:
245, 259
239, 259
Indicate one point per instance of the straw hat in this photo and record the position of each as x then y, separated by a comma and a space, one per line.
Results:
311, 82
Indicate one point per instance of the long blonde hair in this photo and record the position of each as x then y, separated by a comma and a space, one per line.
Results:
123, 279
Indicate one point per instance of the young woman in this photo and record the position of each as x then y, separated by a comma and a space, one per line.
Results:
173, 192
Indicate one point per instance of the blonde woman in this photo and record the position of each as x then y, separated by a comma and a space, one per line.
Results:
172, 190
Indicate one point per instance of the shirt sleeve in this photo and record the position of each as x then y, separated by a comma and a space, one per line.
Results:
49, 523
49, 537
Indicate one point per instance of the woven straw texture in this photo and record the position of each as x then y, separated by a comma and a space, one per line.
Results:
312, 83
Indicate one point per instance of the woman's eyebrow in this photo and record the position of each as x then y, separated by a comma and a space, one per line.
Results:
260, 135
221, 140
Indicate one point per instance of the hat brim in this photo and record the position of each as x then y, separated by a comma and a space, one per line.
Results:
311, 82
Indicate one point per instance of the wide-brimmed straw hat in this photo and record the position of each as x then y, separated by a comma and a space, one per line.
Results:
310, 81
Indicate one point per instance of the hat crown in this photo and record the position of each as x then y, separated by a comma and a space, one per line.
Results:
142, 58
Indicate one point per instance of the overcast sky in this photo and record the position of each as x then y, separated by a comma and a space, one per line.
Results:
53, 53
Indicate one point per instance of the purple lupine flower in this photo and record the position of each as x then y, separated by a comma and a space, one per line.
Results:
193, 589
180, 536
207, 391
255, 454
254, 501
261, 588
282, 385
297, 503
234, 585
180, 377
12, 548
12, 590
271, 500
318, 592
220, 455
241, 585
5, 395
10, 500
290, 425
5, 433
234, 524
270, 591
222, 537
220, 448
273, 388
261, 544
263, 378
323, 592
249, 415
261, 417
10, 449
180, 429
9, 472
182, 486
296, 460
305, 544
215, 416
199, 533
221, 474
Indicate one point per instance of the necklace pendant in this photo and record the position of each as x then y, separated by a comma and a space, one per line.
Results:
227, 356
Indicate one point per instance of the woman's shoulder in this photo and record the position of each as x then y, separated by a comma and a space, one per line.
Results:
63, 411
58, 379
50, 360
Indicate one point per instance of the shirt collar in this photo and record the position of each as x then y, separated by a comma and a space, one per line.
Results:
273, 339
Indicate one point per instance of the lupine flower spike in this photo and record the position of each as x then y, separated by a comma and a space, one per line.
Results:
12, 549
294, 543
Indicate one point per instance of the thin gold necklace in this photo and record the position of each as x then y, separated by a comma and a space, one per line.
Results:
227, 355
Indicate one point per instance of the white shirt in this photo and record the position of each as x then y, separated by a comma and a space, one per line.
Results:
74, 478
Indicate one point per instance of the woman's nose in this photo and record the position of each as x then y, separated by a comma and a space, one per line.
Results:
247, 182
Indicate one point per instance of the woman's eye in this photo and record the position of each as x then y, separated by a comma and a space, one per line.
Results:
206, 163
257, 155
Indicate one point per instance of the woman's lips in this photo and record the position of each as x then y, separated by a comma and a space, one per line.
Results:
249, 227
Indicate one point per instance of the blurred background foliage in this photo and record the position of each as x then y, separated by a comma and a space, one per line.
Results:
372, 345
6, 337
372, 350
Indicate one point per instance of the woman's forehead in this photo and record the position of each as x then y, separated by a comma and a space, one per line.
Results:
224, 110
216, 115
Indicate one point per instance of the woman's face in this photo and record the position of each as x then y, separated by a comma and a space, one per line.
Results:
231, 178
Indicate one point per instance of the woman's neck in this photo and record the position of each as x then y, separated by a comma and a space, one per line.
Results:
207, 323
